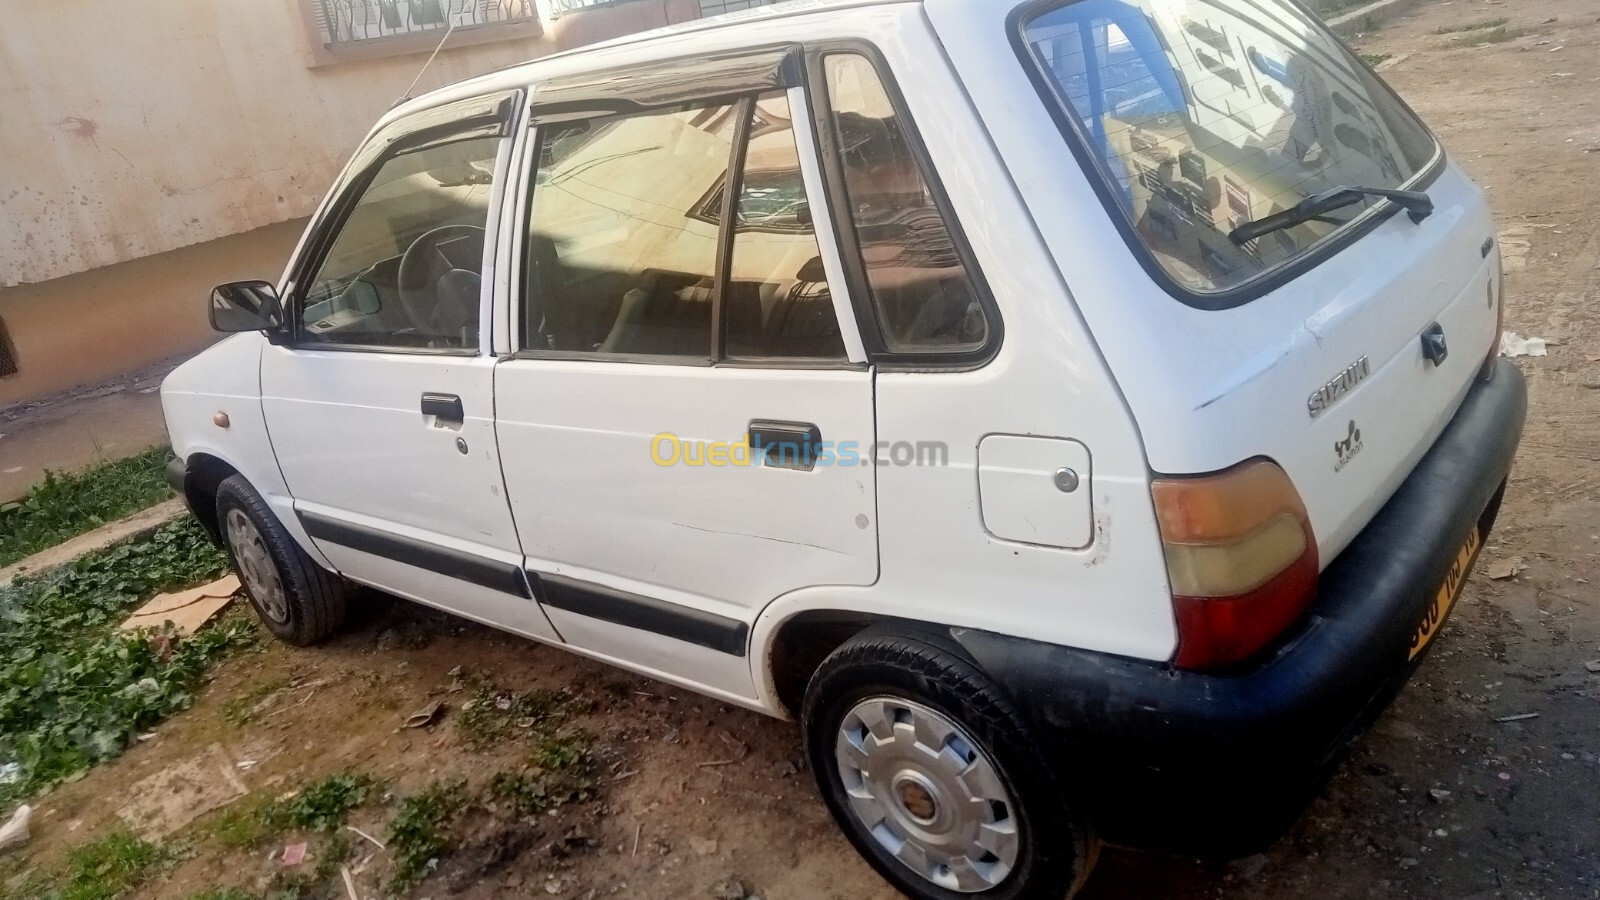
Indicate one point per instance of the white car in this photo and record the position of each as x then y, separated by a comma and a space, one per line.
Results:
1080, 416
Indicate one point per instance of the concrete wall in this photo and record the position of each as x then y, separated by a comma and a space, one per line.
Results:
150, 150
94, 326
132, 129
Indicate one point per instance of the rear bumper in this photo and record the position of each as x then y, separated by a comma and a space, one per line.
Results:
1222, 763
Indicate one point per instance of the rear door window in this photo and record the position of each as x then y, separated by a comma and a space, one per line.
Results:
620, 262
778, 302
629, 219
1205, 114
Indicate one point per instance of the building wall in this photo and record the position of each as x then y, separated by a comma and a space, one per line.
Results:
151, 150
92, 326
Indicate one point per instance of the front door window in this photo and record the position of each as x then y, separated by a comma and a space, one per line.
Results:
406, 267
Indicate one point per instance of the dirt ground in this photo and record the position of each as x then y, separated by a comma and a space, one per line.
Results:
1442, 799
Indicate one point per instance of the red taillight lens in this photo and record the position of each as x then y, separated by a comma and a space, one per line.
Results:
1241, 558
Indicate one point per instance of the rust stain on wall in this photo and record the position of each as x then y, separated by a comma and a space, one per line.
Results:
78, 125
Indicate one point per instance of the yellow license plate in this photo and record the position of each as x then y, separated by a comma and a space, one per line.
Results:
1447, 595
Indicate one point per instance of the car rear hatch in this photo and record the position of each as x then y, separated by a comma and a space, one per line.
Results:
1344, 376
1338, 347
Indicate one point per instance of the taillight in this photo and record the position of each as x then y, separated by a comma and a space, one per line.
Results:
1241, 558
1497, 302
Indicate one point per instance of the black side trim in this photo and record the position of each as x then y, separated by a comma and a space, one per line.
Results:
468, 567
692, 626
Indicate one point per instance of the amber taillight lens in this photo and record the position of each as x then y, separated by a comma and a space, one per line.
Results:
1497, 300
1241, 558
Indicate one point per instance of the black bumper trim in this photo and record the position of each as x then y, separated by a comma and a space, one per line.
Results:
178, 476
1222, 763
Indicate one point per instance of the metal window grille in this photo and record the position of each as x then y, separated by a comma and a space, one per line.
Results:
342, 23
8, 355
718, 7
559, 8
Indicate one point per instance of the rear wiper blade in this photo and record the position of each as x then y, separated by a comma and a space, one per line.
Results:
1418, 204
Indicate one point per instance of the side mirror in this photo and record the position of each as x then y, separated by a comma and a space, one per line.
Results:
246, 306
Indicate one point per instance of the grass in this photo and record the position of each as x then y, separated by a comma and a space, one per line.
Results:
65, 506
103, 869
318, 880
74, 689
324, 805
241, 711
1484, 25
420, 832
107, 867
558, 774
1492, 36
1373, 59
320, 808
493, 716
245, 826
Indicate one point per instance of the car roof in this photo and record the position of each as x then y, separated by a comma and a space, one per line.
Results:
616, 51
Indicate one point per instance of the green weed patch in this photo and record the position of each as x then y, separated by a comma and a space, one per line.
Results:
65, 506
1485, 25
420, 832
103, 869
74, 690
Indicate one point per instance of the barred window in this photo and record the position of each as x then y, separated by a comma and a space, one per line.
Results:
718, 7
343, 23
8, 355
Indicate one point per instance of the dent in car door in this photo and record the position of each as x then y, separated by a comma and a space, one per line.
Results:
658, 340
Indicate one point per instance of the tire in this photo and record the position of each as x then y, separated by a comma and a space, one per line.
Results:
921, 691
297, 600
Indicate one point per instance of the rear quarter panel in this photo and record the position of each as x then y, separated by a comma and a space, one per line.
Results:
939, 563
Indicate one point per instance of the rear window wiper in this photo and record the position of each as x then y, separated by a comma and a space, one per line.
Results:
1418, 204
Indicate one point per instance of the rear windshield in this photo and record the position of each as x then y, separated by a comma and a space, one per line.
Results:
1205, 114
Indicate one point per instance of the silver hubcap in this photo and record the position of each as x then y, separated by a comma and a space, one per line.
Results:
256, 570
927, 794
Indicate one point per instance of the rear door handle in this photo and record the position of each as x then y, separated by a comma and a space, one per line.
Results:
786, 445
444, 407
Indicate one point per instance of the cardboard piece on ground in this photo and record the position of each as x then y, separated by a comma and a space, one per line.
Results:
186, 610
177, 795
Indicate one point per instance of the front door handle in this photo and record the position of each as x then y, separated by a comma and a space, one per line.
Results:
445, 408
786, 445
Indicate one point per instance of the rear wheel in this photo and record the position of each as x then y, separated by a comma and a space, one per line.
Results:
298, 600
931, 775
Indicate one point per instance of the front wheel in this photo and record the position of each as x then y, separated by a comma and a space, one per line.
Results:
298, 600
930, 773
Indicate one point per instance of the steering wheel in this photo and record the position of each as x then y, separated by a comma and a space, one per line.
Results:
440, 299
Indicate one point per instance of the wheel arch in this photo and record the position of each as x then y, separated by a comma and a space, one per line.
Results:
793, 644
203, 474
